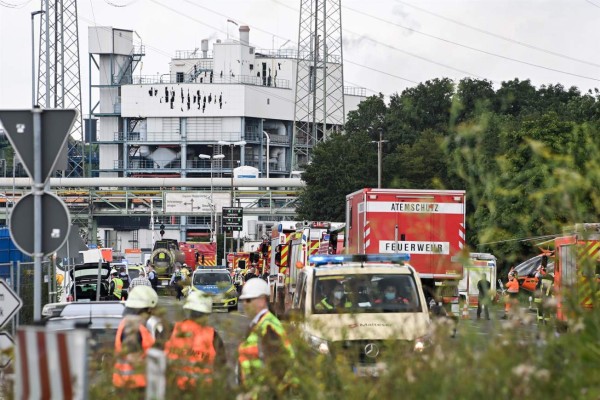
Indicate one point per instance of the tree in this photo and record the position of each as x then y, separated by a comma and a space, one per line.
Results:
340, 166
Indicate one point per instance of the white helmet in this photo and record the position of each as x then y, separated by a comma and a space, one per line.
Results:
254, 288
113, 272
199, 301
142, 297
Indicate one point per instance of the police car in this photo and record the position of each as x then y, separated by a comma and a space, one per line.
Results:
218, 283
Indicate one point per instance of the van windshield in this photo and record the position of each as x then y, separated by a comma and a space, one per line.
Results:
366, 293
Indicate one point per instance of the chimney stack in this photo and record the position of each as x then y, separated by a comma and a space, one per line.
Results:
245, 35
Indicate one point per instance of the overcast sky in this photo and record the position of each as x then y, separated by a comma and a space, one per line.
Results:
388, 44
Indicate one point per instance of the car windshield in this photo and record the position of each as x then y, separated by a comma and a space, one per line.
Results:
134, 273
366, 293
212, 278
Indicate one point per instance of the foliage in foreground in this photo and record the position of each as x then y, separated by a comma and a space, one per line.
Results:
513, 360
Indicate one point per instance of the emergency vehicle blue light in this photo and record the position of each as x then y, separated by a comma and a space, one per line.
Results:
318, 260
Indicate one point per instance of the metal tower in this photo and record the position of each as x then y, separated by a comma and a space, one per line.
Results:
319, 105
59, 83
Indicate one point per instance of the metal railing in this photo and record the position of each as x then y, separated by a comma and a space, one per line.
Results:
217, 78
355, 91
190, 54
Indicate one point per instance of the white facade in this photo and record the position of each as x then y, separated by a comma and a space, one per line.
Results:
159, 126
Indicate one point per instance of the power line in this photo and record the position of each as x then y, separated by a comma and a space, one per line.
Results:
497, 36
110, 3
474, 48
592, 3
400, 50
13, 5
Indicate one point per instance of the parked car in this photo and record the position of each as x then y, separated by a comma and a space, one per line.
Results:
136, 271
218, 283
83, 282
100, 318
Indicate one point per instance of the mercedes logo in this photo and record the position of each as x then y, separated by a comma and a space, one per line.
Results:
371, 350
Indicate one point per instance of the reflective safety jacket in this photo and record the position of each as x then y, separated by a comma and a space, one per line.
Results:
129, 368
252, 353
324, 305
117, 288
512, 286
191, 352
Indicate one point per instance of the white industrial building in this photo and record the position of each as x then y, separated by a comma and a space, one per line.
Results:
161, 125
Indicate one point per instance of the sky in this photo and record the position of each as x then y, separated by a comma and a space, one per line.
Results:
389, 45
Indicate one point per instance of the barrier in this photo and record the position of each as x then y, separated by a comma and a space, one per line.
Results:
50, 365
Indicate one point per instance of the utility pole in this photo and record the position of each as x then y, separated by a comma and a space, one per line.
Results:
379, 155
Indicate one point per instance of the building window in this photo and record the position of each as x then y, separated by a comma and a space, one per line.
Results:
179, 77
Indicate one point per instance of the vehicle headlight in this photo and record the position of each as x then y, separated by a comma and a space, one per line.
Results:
318, 344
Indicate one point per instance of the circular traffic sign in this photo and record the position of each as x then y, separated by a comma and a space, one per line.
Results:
56, 223
230, 257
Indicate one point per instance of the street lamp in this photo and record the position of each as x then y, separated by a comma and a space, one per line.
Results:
379, 151
231, 144
212, 211
33, 14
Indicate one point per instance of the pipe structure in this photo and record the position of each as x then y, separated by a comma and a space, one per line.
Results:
157, 182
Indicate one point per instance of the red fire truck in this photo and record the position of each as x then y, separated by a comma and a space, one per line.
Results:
429, 225
577, 268
292, 252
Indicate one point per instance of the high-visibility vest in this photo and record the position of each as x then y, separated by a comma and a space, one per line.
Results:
191, 351
324, 305
249, 355
118, 287
512, 286
129, 371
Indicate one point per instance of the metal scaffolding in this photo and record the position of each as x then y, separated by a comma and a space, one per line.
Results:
58, 82
319, 104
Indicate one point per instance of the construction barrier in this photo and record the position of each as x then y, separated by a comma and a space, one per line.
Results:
51, 365
465, 311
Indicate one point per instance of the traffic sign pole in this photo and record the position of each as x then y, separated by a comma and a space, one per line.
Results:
38, 191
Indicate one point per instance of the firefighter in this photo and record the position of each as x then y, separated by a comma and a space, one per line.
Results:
266, 343
512, 287
116, 286
134, 339
195, 349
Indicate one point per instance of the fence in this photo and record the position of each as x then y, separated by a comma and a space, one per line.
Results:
19, 276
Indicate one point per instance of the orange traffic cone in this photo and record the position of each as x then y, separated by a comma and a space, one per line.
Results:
465, 311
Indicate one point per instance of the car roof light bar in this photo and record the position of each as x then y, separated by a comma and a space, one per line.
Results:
320, 259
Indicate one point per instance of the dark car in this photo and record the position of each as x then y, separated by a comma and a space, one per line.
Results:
83, 282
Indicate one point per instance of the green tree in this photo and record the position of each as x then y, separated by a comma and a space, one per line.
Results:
340, 165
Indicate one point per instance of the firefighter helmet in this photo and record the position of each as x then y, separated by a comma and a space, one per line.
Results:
142, 297
254, 288
199, 301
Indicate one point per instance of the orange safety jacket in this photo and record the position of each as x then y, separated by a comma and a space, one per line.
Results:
512, 286
127, 373
191, 351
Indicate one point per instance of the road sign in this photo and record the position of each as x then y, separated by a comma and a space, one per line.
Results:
56, 125
72, 247
230, 257
233, 219
6, 343
10, 303
56, 223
